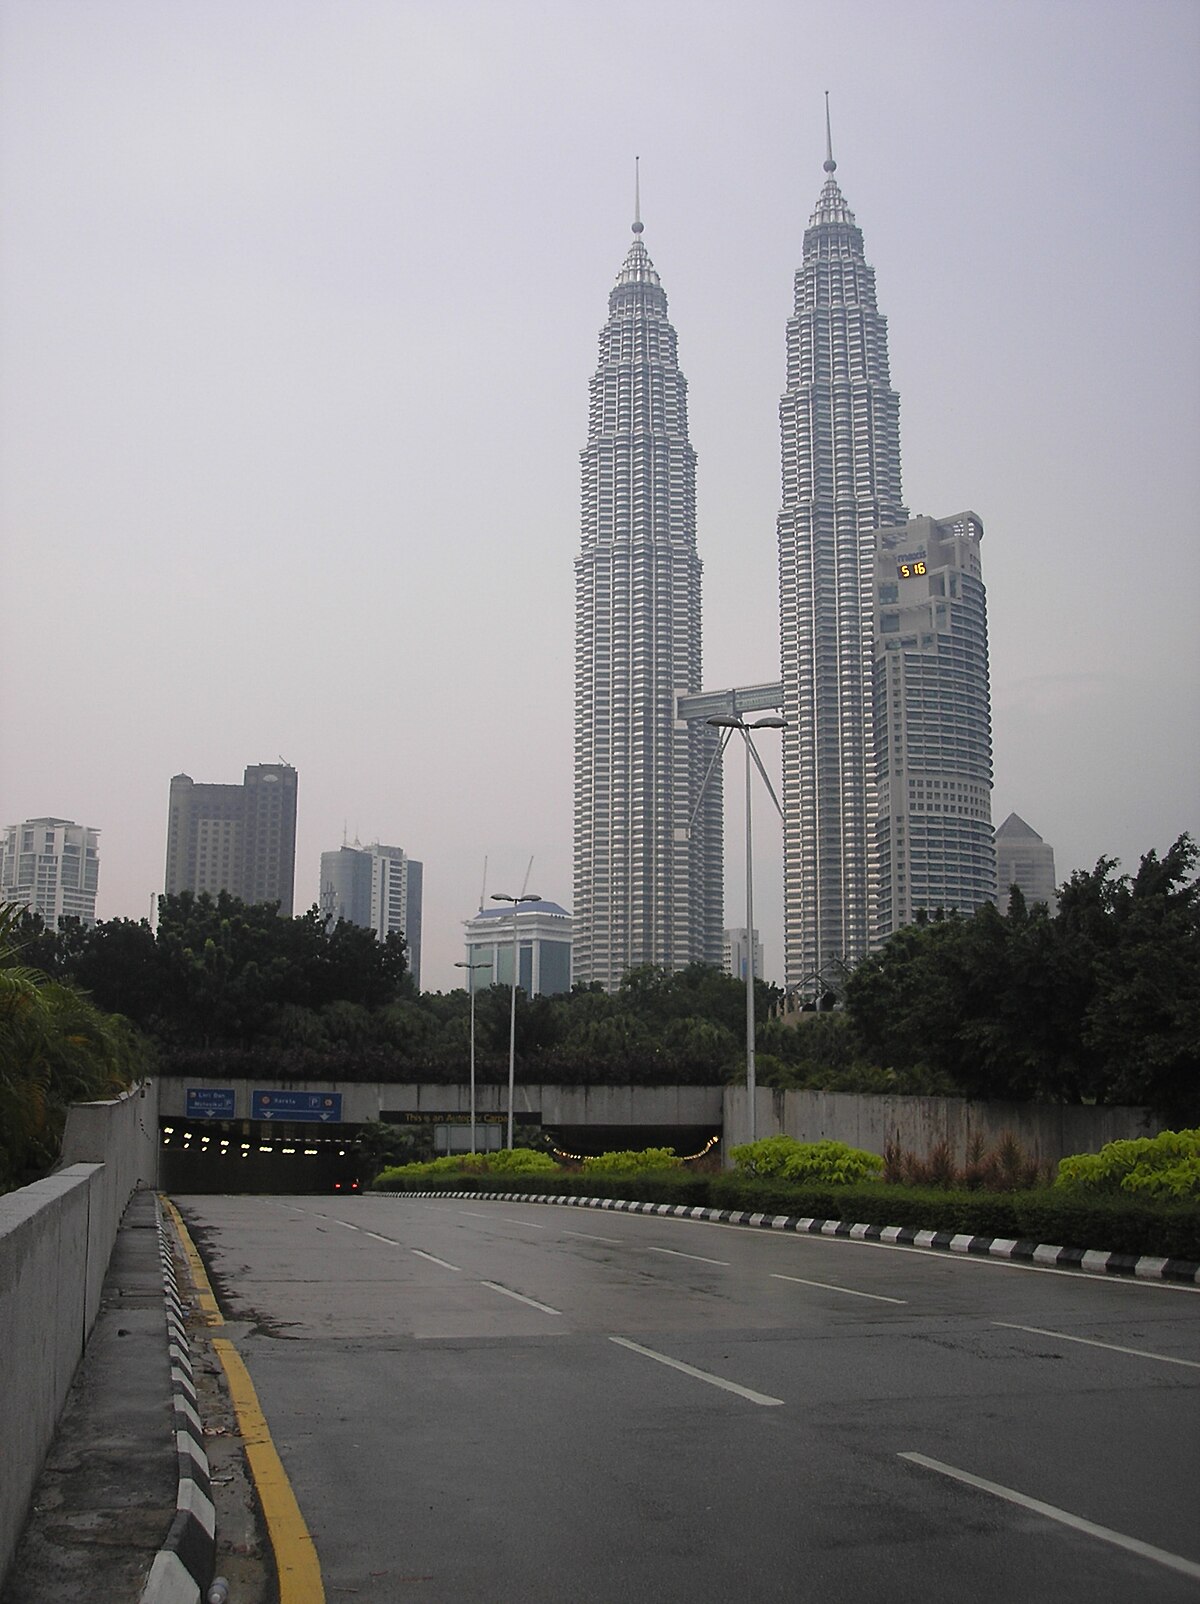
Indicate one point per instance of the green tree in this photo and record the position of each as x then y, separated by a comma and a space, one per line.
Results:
56, 1048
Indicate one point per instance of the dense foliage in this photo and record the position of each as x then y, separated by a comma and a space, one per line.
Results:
631, 1162
1099, 1001
56, 1048
819, 1163
1162, 1166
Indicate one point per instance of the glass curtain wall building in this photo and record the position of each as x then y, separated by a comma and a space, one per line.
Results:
840, 434
648, 843
932, 845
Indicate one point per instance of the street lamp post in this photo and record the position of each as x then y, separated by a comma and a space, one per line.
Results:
471, 968
499, 896
732, 723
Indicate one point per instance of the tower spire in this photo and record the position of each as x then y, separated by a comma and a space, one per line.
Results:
830, 164
637, 195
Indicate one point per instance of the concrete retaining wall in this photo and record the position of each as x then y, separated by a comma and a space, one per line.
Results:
557, 1105
1045, 1132
56, 1238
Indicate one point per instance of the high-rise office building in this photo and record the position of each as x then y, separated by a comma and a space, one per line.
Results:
1023, 859
840, 431
736, 953
648, 843
52, 867
379, 888
931, 838
235, 838
543, 948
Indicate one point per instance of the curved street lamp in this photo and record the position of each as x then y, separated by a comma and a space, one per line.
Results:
471, 968
728, 722
499, 896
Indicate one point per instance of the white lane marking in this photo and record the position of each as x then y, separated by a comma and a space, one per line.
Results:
675, 1254
1132, 1545
433, 1260
471, 1214
828, 1286
961, 1258
390, 1240
345, 1226
698, 1375
521, 1298
1091, 1342
529, 1223
590, 1236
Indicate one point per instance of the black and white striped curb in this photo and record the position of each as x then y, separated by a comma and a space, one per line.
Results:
183, 1566
1094, 1262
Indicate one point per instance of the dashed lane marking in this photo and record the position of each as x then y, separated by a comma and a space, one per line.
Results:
521, 1298
1092, 1342
1132, 1545
828, 1286
421, 1254
699, 1257
699, 1375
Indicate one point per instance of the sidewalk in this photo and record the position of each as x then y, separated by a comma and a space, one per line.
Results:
107, 1493
106, 1496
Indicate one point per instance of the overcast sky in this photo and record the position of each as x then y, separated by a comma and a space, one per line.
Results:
300, 299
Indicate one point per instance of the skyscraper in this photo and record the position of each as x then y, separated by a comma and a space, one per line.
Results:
840, 431
379, 888
648, 846
1024, 859
52, 867
931, 843
543, 948
235, 838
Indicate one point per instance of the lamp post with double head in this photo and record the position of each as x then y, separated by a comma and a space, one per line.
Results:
499, 896
733, 723
471, 968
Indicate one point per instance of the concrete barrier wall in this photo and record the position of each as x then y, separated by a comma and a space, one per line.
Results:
557, 1105
1045, 1132
121, 1137
56, 1238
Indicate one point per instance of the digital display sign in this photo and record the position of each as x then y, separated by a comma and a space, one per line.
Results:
910, 567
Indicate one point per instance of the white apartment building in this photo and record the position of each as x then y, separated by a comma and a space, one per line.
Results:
52, 866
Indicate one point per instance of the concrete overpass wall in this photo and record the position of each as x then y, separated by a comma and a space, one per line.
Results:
557, 1105
1045, 1132
56, 1238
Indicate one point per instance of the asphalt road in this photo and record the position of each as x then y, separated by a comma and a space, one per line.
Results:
505, 1403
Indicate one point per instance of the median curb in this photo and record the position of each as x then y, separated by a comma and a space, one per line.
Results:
1088, 1260
183, 1566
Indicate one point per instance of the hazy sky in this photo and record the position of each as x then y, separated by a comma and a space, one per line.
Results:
300, 299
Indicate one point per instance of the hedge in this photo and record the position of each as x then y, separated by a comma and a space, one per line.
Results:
1106, 1224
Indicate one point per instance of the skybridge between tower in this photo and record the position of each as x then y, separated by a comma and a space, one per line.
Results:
699, 706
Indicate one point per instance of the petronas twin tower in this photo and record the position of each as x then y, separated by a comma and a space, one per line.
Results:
648, 865
648, 835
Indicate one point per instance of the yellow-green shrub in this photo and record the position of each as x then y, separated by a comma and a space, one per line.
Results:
1164, 1166
632, 1162
826, 1162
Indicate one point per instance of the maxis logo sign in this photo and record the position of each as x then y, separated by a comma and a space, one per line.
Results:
324, 1108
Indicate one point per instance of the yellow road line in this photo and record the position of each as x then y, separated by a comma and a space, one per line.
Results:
295, 1554
204, 1292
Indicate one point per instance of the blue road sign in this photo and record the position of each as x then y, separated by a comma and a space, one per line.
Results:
319, 1107
209, 1102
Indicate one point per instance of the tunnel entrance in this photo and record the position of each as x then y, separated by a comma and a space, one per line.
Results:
256, 1156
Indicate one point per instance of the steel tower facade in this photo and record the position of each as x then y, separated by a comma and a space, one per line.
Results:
648, 841
840, 431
